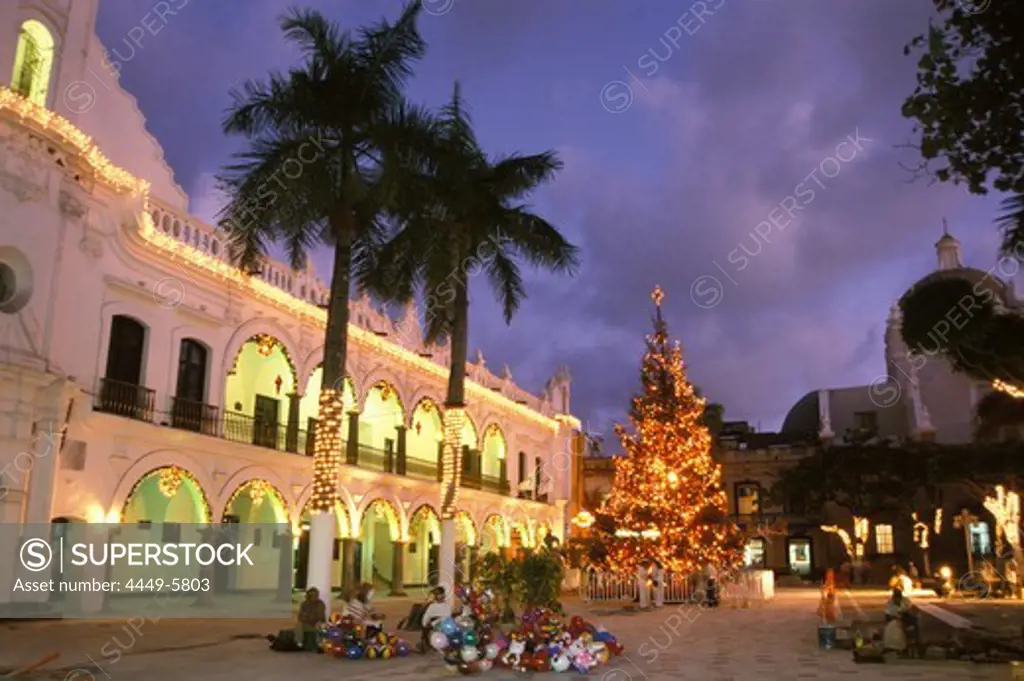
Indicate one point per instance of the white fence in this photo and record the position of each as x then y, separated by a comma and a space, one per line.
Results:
659, 588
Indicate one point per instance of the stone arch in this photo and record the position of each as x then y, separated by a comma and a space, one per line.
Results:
398, 524
155, 460
242, 476
382, 411
347, 504
493, 446
498, 525
378, 375
466, 527
255, 327
421, 396
281, 513
200, 501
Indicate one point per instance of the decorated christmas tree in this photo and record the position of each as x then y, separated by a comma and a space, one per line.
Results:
666, 502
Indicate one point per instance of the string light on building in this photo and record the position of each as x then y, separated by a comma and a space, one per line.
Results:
1005, 507
170, 481
327, 452
265, 344
938, 521
258, 490
451, 469
1011, 390
583, 519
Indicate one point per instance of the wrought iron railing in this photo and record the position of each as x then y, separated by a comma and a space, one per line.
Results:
195, 416
125, 399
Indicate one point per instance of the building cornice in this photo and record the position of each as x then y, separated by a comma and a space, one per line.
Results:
120, 180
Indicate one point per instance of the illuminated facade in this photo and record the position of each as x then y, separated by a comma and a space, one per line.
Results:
178, 390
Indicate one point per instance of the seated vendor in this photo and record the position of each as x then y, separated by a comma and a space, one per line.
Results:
359, 606
312, 612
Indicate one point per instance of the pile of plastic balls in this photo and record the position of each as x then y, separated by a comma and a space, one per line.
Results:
468, 643
543, 642
343, 637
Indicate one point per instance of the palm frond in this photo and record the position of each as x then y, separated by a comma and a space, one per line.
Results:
515, 175
1011, 224
507, 283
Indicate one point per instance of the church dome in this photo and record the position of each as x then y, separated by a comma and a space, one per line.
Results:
803, 416
978, 279
951, 266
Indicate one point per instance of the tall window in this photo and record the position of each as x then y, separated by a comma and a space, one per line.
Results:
127, 344
537, 481
192, 371
522, 467
883, 539
33, 62
748, 499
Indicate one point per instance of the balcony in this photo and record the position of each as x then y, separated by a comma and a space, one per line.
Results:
138, 403
125, 399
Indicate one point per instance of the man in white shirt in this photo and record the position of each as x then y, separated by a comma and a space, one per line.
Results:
435, 612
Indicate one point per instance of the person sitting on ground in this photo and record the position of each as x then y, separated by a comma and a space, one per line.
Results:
312, 612
434, 613
898, 614
359, 608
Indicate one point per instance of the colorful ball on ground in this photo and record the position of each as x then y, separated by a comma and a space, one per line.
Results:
485, 665
469, 638
491, 650
438, 641
448, 626
469, 654
560, 663
353, 652
402, 649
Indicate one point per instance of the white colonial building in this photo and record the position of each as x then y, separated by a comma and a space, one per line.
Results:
145, 380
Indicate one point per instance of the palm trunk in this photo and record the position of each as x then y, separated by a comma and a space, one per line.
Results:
327, 434
454, 419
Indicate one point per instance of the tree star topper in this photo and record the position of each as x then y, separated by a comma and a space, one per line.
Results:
657, 296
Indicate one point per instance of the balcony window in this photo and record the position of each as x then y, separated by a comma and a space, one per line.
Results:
883, 540
748, 499
121, 391
33, 62
865, 421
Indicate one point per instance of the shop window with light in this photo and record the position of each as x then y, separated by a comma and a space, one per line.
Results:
754, 553
33, 62
748, 499
981, 541
883, 539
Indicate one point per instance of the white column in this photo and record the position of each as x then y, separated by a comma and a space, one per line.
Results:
321, 555
659, 587
824, 415
446, 559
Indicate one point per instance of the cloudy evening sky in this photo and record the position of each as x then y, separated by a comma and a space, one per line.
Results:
680, 134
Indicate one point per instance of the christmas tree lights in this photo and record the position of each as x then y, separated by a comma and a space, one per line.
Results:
667, 503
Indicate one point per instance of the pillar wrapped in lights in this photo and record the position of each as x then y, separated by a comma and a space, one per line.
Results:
451, 472
327, 452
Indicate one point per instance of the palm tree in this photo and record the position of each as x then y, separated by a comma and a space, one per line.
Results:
463, 211
317, 171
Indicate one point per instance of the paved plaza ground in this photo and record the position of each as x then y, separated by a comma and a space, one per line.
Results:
775, 641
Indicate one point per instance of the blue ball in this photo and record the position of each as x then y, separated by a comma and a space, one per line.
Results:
448, 626
455, 638
354, 652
